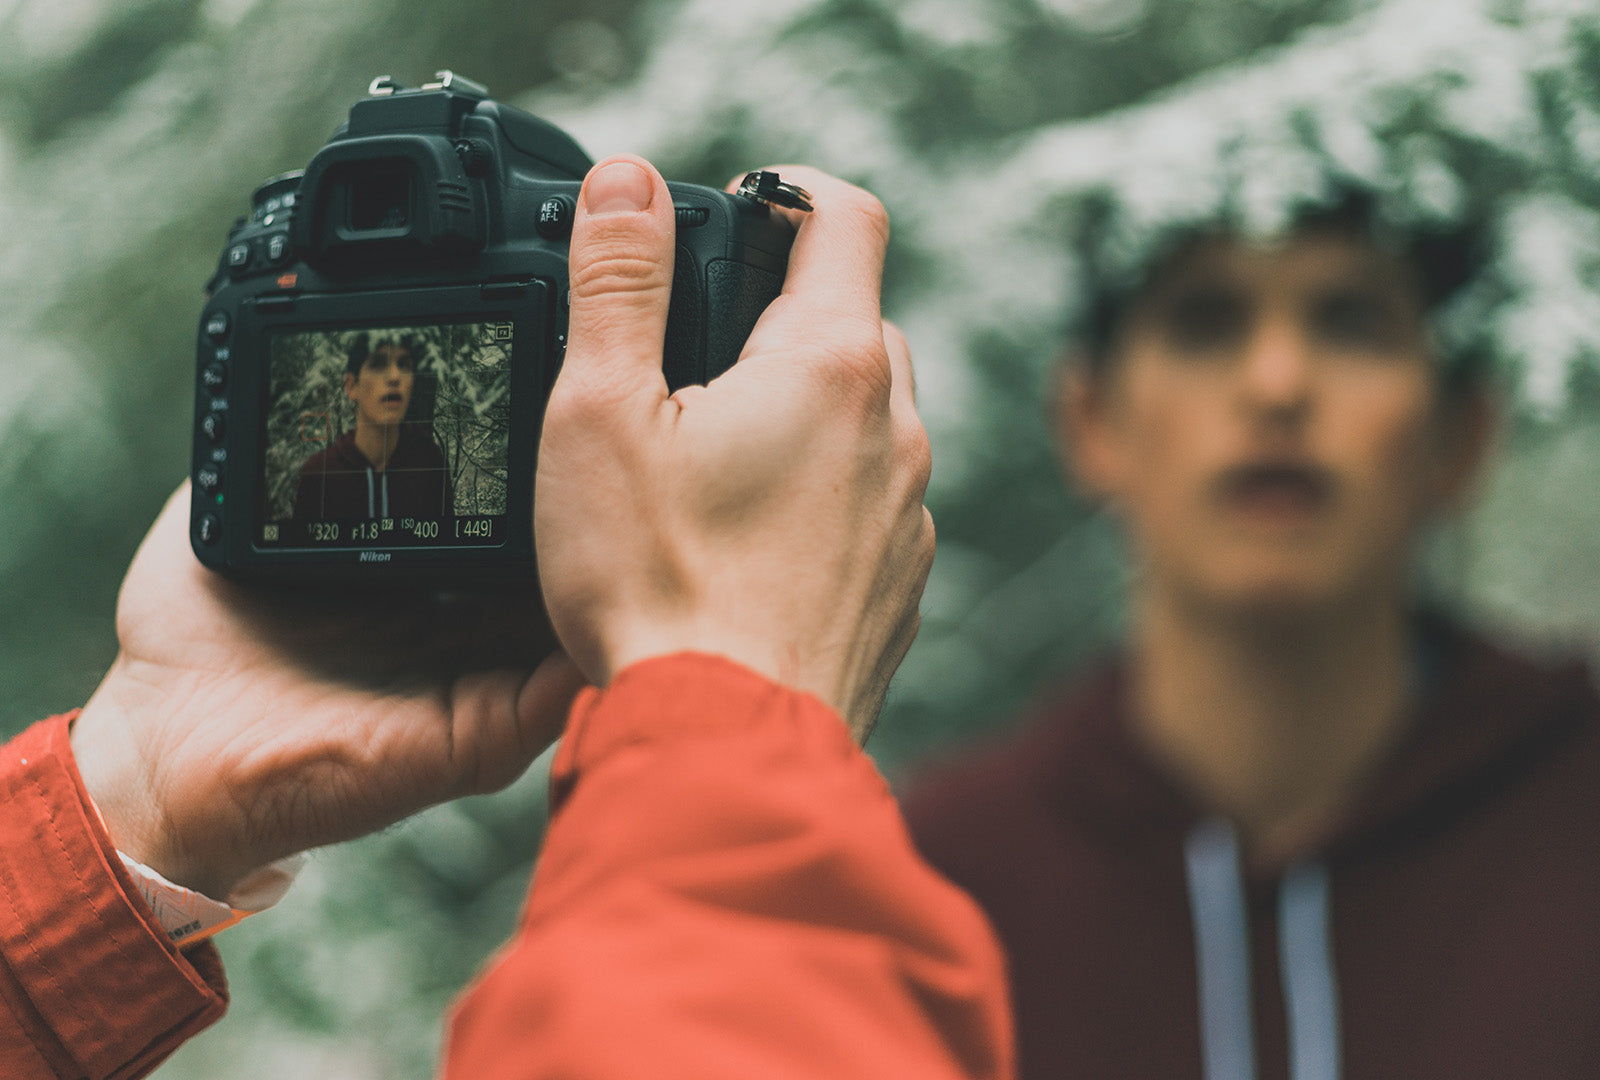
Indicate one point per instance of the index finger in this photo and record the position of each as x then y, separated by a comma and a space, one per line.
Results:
836, 264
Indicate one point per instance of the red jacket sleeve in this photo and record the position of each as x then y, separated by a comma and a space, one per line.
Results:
89, 984
728, 890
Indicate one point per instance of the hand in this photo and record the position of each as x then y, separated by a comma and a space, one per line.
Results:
775, 516
239, 725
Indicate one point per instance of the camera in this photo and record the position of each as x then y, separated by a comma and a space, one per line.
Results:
384, 328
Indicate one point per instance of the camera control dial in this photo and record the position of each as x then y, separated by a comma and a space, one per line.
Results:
276, 196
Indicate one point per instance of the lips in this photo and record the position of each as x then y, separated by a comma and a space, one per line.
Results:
1276, 489
395, 398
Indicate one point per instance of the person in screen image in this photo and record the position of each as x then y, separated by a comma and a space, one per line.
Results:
385, 467
1301, 823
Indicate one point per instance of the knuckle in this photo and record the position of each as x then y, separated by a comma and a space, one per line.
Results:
857, 368
577, 403
837, 197
915, 452
895, 339
869, 211
620, 270
919, 551
900, 358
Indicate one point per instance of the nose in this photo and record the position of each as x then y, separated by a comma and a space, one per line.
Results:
1275, 374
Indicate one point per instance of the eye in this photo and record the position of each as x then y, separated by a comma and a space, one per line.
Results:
1205, 319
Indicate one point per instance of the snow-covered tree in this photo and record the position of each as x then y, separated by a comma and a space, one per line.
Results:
1031, 152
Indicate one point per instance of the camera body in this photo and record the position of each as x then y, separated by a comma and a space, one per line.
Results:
383, 331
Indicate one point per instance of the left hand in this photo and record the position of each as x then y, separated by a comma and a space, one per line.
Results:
242, 724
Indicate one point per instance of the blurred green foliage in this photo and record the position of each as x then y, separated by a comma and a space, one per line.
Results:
132, 131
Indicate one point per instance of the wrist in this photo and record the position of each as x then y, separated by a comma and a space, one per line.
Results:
834, 676
776, 658
190, 916
122, 775
115, 774
663, 698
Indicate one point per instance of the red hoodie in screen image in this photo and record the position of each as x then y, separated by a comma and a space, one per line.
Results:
339, 483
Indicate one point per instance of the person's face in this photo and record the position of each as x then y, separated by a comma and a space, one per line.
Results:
382, 390
1270, 426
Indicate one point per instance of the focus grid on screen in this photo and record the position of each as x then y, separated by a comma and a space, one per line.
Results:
386, 436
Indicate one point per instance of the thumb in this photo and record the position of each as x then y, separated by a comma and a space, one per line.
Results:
620, 266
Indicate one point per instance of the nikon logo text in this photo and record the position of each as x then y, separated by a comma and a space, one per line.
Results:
375, 556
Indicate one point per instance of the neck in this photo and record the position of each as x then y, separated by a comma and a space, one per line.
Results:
377, 442
1275, 724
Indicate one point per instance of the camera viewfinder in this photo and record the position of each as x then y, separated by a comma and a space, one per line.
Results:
380, 199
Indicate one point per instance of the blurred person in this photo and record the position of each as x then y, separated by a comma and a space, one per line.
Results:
383, 467
1300, 824
726, 889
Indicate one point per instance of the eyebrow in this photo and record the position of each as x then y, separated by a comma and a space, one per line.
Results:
1369, 277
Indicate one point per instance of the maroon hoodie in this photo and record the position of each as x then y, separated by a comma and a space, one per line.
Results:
1449, 927
340, 483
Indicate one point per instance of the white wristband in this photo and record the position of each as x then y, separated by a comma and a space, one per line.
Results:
189, 917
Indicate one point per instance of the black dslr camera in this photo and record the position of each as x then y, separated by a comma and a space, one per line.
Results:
383, 331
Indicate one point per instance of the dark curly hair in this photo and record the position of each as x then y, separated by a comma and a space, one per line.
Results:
364, 344
1444, 260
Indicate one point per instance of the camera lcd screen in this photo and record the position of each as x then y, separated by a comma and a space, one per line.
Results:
386, 437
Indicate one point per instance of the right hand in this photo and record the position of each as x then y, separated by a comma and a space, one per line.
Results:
773, 517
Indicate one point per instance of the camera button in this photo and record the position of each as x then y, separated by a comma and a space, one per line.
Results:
208, 478
215, 426
217, 327
239, 257
214, 378
555, 217
277, 248
208, 529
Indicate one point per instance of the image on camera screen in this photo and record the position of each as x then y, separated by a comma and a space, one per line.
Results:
391, 436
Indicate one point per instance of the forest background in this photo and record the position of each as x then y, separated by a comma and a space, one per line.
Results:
1023, 147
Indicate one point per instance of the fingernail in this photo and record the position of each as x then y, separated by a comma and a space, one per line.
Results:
617, 188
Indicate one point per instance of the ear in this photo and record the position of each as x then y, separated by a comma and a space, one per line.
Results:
1471, 429
349, 386
1081, 422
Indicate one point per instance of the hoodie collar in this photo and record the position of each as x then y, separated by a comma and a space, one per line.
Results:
1483, 716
